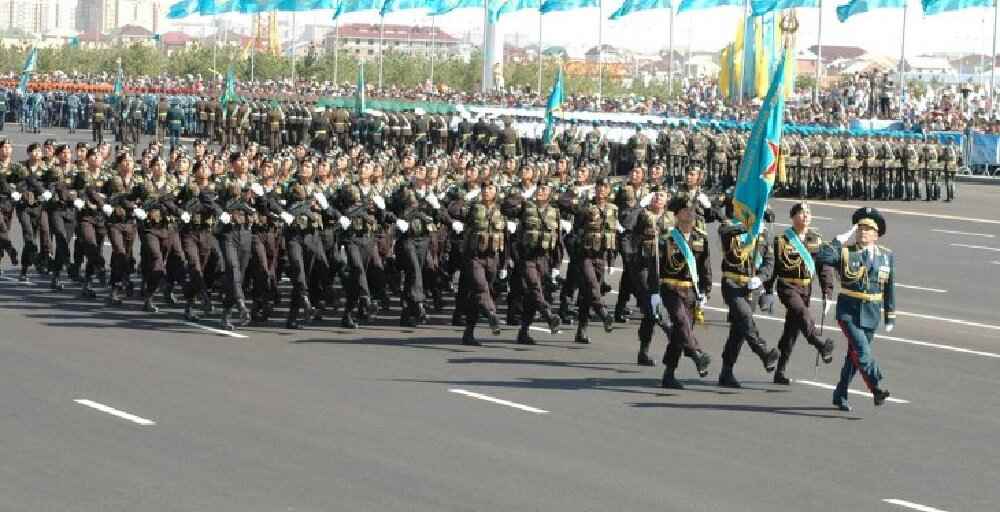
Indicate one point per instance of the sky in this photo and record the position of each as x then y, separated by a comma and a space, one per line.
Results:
879, 31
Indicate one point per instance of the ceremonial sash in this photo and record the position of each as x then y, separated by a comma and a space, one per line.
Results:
793, 238
688, 255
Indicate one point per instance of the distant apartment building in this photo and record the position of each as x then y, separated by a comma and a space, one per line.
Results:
31, 16
103, 16
362, 40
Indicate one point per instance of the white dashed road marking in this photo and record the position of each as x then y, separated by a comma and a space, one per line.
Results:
515, 405
964, 233
849, 391
911, 505
980, 247
115, 412
220, 332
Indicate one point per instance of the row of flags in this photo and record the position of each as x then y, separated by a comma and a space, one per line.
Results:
748, 63
498, 8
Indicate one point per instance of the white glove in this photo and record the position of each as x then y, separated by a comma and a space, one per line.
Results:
78, 203
703, 200
107, 209
890, 326
185, 217
287, 217
703, 302
754, 283
402, 225
511, 226
554, 273
225, 217
826, 309
646, 199
433, 201
471, 195
257, 189
16, 196
321, 199
139, 213
282, 202
503, 274
442, 195
344, 222
566, 225
528, 193
844, 237
46, 195
619, 227
457, 227
655, 301
379, 202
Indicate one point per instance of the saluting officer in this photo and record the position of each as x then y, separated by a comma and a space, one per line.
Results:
867, 295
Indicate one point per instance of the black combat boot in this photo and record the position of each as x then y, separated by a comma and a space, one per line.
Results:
779, 371
292, 322
494, 322
148, 305
226, 322
824, 347
669, 381
523, 338
85, 291
581, 334
55, 285
552, 320
244, 312
701, 362
880, 395
348, 321
189, 313
116, 296
727, 379
644, 359
468, 336
770, 359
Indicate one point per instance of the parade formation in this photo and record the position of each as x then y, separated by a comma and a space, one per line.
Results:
355, 209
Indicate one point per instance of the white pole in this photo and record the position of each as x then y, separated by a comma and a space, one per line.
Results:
336, 49
600, 52
540, 16
819, 55
381, 31
993, 61
485, 82
902, 58
433, 47
293, 47
670, 56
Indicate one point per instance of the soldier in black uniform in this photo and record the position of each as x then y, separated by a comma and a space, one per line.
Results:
596, 220
792, 279
417, 223
682, 282
650, 228
483, 249
306, 257
361, 216
746, 265
510, 142
100, 116
321, 131
201, 248
161, 244
162, 109
236, 242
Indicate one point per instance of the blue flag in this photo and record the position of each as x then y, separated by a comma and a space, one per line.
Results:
359, 93
566, 5
631, 6
939, 6
509, 6
213, 7
119, 87
439, 7
304, 5
761, 7
29, 67
229, 94
760, 160
690, 5
74, 42
257, 6
346, 6
182, 9
861, 6
554, 105
403, 5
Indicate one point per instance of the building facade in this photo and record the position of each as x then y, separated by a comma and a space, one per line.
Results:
362, 40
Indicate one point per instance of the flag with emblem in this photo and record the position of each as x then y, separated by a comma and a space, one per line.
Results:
760, 160
554, 105
29, 67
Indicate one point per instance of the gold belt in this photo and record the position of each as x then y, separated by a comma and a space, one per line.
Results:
679, 283
867, 297
797, 282
738, 278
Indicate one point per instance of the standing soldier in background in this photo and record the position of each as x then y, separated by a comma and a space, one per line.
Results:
100, 116
275, 120
951, 160
638, 148
162, 109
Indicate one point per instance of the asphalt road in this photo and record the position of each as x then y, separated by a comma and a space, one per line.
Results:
387, 418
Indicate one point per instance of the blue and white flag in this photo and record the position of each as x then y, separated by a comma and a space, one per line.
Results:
631, 6
932, 7
304, 5
566, 5
182, 9
690, 5
509, 6
439, 7
761, 7
29, 67
346, 6
403, 5
862, 6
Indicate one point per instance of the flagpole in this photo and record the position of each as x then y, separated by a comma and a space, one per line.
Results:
381, 31
600, 52
819, 55
902, 58
743, 44
670, 57
293, 49
540, 16
433, 47
993, 62
336, 49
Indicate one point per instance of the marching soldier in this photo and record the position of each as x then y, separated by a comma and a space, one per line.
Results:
684, 279
867, 282
417, 223
201, 248
362, 213
161, 245
652, 225
795, 270
746, 265
236, 242
483, 247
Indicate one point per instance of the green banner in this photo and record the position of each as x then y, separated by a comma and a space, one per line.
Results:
431, 107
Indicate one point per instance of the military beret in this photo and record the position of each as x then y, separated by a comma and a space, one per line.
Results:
869, 216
